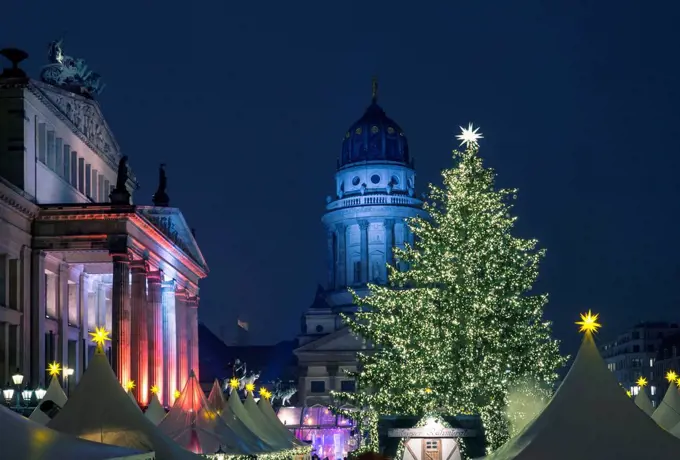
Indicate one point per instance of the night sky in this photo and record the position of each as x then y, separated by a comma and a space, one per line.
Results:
247, 103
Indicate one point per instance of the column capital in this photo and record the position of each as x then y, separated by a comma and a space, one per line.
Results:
170, 284
139, 266
181, 292
389, 222
363, 224
121, 257
154, 276
340, 227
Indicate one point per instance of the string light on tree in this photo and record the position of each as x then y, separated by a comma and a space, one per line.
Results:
468, 288
54, 369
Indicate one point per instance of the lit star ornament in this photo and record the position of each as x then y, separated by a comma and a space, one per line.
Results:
641, 382
233, 383
469, 137
265, 394
100, 336
589, 322
250, 387
130, 385
671, 376
177, 394
54, 369
154, 390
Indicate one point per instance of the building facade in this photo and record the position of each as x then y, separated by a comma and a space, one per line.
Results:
634, 354
76, 253
364, 220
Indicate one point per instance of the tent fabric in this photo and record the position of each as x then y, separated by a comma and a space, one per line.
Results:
24, 439
100, 410
132, 397
46, 410
194, 425
667, 415
278, 441
643, 402
270, 416
216, 398
590, 418
236, 417
155, 411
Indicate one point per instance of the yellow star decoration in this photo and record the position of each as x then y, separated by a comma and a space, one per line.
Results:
628, 393
641, 382
54, 369
589, 322
100, 336
177, 394
677, 381
250, 387
130, 385
154, 390
671, 376
233, 383
428, 390
265, 394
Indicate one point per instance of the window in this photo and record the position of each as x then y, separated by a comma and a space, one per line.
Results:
652, 389
66, 173
317, 386
42, 143
395, 180
88, 180
355, 180
357, 272
651, 362
634, 390
59, 163
348, 386
375, 178
636, 335
74, 169
51, 154
319, 328
81, 175
636, 348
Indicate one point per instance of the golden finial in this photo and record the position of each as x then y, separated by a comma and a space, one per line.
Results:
375, 89
589, 322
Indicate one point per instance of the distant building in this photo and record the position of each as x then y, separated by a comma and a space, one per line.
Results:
634, 354
365, 220
668, 359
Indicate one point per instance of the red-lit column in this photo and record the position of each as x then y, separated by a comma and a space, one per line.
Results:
139, 355
192, 328
155, 332
120, 317
169, 341
182, 336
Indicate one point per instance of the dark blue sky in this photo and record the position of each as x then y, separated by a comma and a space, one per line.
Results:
247, 103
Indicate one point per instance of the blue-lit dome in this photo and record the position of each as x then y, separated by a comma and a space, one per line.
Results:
374, 137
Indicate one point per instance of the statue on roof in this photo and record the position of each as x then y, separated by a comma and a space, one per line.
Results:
161, 198
70, 73
120, 194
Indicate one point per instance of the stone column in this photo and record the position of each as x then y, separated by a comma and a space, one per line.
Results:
192, 328
389, 241
139, 346
38, 368
331, 259
62, 317
363, 227
182, 336
120, 317
154, 317
84, 335
169, 342
26, 315
341, 256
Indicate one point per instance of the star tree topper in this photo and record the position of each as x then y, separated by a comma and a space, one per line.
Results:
469, 137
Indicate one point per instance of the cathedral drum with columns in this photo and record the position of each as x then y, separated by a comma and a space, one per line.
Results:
365, 221
75, 252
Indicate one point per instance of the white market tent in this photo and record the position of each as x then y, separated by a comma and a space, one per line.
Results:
216, 398
268, 432
132, 397
155, 411
643, 402
233, 413
590, 418
100, 410
197, 427
23, 439
270, 417
667, 415
53, 396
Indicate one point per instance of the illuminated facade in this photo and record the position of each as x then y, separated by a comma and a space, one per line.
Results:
72, 260
365, 220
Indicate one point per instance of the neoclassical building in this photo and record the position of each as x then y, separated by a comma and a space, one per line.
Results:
364, 221
75, 252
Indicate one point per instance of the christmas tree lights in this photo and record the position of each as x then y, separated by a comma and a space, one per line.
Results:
459, 328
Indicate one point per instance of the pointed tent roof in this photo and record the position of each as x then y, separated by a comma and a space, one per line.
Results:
23, 439
155, 411
589, 418
667, 415
100, 410
236, 417
264, 429
270, 417
216, 398
194, 425
134, 400
54, 395
643, 402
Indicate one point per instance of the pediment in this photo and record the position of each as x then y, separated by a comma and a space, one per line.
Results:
171, 223
83, 116
341, 340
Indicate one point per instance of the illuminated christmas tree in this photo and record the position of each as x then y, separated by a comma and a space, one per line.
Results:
457, 330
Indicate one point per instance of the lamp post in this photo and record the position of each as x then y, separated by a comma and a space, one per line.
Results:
67, 373
10, 392
40, 394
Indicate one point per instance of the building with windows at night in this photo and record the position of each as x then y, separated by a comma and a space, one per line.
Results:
76, 253
364, 221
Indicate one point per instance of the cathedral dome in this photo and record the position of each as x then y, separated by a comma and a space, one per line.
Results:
374, 137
